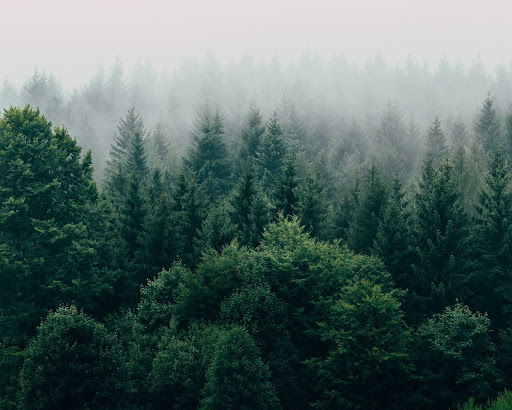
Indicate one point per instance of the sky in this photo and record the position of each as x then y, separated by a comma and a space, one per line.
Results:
72, 38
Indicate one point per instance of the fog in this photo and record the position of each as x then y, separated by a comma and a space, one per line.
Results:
330, 66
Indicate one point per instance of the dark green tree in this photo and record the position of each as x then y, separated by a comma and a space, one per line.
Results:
245, 216
207, 156
312, 206
435, 143
237, 378
252, 134
443, 270
286, 197
367, 364
127, 154
394, 239
265, 317
368, 212
487, 126
271, 154
493, 236
189, 211
394, 152
72, 363
456, 358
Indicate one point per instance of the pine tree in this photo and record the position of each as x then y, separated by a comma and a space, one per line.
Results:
456, 358
368, 212
286, 192
237, 377
435, 144
487, 126
367, 363
459, 135
188, 208
394, 153
394, 239
312, 206
493, 235
443, 270
271, 154
126, 154
249, 209
207, 156
252, 134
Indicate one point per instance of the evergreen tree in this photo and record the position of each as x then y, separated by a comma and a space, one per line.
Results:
493, 235
367, 364
394, 153
237, 377
188, 208
252, 134
312, 207
72, 363
368, 212
394, 238
459, 135
456, 358
443, 270
271, 154
487, 126
286, 193
435, 144
160, 240
207, 156
127, 154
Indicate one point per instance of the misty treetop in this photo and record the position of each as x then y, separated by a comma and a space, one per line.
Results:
261, 247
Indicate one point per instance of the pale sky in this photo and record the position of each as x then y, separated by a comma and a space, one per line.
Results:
71, 38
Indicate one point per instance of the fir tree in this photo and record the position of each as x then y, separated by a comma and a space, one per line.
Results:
286, 192
252, 134
207, 156
435, 144
394, 239
443, 270
271, 154
487, 126
368, 212
493, 235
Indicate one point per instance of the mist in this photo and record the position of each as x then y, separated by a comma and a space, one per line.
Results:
326, 96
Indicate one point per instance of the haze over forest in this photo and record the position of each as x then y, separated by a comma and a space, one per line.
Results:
327, 97
252, 207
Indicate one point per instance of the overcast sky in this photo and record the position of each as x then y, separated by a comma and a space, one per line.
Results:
71, 38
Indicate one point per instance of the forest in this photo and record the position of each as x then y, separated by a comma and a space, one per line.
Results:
254, 236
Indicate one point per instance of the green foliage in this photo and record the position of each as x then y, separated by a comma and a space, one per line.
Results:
394, 238
441, 231
368, 212
487, 126
207, 157
367, 364
312, 207
72, 363
271, 154
252, 134
237, 377
394, 153
180, 365
265, 318
493, 237
435, 144
286, 192
456, 358
250, 212
48, 254
502, 402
